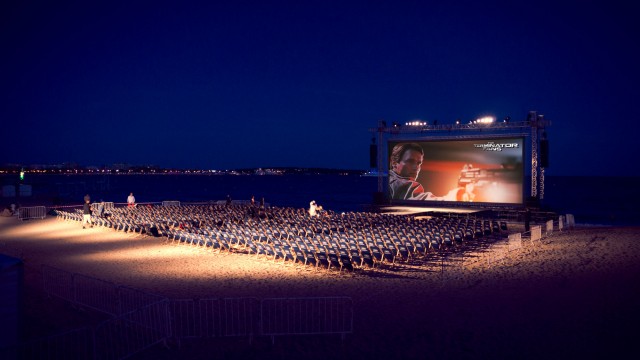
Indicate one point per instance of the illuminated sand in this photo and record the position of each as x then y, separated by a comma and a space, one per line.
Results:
573, 294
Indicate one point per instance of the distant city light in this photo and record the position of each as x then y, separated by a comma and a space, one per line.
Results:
416, 123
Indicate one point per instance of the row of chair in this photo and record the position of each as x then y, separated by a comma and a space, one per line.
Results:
341, 241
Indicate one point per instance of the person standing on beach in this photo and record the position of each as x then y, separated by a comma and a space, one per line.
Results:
131, 200
86, 214
87, 198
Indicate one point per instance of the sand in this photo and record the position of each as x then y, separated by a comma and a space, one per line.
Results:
572, 294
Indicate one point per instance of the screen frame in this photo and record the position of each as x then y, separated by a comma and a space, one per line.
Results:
521, 172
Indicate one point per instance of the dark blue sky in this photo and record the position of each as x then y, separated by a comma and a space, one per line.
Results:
299, 83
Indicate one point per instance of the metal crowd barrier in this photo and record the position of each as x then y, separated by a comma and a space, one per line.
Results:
306, 316
35, 212
93, 293
96, 294
58, 283
133, 332
214, 318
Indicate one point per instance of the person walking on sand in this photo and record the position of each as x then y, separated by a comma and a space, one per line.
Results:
131, 200
86, 214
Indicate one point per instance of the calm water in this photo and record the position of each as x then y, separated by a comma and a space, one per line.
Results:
592, 200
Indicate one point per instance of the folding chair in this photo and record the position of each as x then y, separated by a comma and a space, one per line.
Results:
388, 256
402, 252
345, 260
323, 261
310, 258
333, 259
376, 254
355, 257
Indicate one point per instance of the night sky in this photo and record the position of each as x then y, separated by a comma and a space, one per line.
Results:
236, 84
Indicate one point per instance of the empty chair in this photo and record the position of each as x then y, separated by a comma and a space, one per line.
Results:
333, 259
402, 253
420, 248
345, 261
388, 256
310, 258
410, 245
367, 259
435, 242
457, 237
376, 253
288, 254
278, 252
299, 255
323, 261
224, 244
468, 234
355, 257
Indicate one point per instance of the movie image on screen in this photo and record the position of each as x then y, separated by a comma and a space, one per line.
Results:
478, 170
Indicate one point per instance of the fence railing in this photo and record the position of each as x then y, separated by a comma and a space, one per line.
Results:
94, 293
34, 212
204, 318
132, 332
141, 320
306, 316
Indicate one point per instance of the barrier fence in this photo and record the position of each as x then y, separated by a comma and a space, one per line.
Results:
35, 212
132, 332
141, 320
94, 293
306, 316
203, 318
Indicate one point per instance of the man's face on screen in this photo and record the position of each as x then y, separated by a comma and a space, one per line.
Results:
409, 165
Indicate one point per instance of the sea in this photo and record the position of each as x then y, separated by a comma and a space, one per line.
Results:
593, 200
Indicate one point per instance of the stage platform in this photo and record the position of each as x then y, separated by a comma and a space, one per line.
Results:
415, 210
427, 212
511, 214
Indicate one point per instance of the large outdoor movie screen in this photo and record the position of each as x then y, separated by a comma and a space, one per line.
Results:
478, 170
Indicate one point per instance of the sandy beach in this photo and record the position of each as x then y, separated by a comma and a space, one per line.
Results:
574, 294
